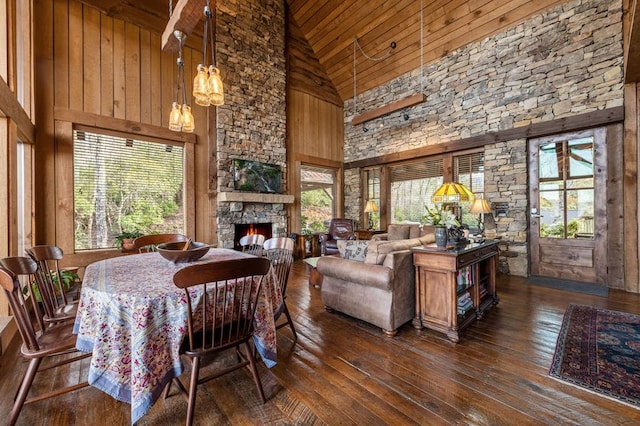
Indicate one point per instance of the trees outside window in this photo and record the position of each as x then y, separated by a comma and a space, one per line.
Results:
125, 185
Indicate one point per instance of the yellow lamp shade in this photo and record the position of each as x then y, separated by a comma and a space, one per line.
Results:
215, 87
452, 192
188, 124
175, 118
371, 206
480, 205
200, 86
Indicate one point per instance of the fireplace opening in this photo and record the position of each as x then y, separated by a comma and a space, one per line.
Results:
242, 229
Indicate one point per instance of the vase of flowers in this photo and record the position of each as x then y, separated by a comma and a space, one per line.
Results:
443, 220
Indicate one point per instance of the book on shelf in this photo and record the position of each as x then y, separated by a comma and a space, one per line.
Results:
464, 303
464, 278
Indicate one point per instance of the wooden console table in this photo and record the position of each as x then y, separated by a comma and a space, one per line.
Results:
454, 286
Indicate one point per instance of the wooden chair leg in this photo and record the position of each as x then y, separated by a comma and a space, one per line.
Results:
254, 371
290, 322
25, 386
193, 387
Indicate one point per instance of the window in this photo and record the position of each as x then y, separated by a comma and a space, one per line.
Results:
25, 196
412, 185
468, 169
566, 188
317, 195
372, 177
123, 185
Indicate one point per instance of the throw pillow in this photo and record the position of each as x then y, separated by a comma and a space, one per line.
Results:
398, 232
353, 249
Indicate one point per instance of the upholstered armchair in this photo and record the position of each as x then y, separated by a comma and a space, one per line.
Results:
339, 229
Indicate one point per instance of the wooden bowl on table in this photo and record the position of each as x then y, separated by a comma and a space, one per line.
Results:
177, 253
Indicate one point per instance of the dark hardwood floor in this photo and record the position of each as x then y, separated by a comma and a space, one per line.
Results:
344, 371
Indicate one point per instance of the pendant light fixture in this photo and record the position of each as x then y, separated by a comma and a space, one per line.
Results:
180, 118
207, 85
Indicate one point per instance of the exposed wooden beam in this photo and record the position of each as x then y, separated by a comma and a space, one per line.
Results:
388, 109
11, 108
185, 17
123, 126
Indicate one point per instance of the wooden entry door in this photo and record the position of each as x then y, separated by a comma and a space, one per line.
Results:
567, 176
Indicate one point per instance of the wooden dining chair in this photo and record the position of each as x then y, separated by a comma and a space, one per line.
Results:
222, 319
39, 341
252, 244
53, 294
279, 250
149, 243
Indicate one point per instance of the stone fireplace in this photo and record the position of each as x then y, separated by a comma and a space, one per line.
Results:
242, 229
251, 125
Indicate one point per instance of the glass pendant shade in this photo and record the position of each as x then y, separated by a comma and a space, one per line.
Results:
175, 118
188, 124
201, 86
452, 192
216, 89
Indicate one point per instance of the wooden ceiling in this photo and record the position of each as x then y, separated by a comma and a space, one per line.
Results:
331, 26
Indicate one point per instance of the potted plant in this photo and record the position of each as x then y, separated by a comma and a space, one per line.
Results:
442, 220
69, 278
124, 240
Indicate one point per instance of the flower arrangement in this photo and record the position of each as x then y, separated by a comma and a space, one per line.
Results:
441, 218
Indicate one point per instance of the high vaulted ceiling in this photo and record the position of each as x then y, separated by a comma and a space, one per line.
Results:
331, 27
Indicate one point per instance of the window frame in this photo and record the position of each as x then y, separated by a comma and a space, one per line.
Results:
448, 173
64, 181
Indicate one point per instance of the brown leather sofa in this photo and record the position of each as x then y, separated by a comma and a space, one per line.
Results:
379, 290
339, 229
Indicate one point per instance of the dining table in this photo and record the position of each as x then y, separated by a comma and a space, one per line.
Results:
133, 319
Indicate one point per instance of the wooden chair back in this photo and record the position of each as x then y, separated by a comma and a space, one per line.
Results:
284, 243
279, 251
252, 244
149, 243
56, 304
11, 269
40, 341
222, 318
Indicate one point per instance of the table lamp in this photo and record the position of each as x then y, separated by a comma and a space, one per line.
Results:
480, 206
453, 193
369, 208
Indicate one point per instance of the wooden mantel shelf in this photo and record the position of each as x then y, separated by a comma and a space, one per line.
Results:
388, 109
255, 197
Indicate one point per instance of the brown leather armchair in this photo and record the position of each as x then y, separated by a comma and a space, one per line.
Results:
339, 229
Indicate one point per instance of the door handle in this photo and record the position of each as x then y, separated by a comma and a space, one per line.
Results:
534, 213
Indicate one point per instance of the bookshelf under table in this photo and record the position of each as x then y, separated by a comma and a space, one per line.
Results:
454, 285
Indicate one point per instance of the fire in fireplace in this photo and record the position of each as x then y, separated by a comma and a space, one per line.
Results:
242, 229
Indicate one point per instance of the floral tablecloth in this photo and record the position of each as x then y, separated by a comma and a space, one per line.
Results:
131, 317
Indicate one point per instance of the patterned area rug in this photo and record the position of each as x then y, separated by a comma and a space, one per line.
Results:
599, 350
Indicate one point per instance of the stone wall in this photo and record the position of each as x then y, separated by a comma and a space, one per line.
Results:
251, 125
564, 62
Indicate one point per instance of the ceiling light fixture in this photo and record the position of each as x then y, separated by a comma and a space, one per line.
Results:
180, 117
207, 84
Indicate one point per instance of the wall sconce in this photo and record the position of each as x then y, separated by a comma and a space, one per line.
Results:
365, 128
405, 116
207, 84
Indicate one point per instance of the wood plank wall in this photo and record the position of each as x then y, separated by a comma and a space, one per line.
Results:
90, 63
447, 26
315, 119
631, 145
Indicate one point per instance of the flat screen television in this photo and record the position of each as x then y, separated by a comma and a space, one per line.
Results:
254, 176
